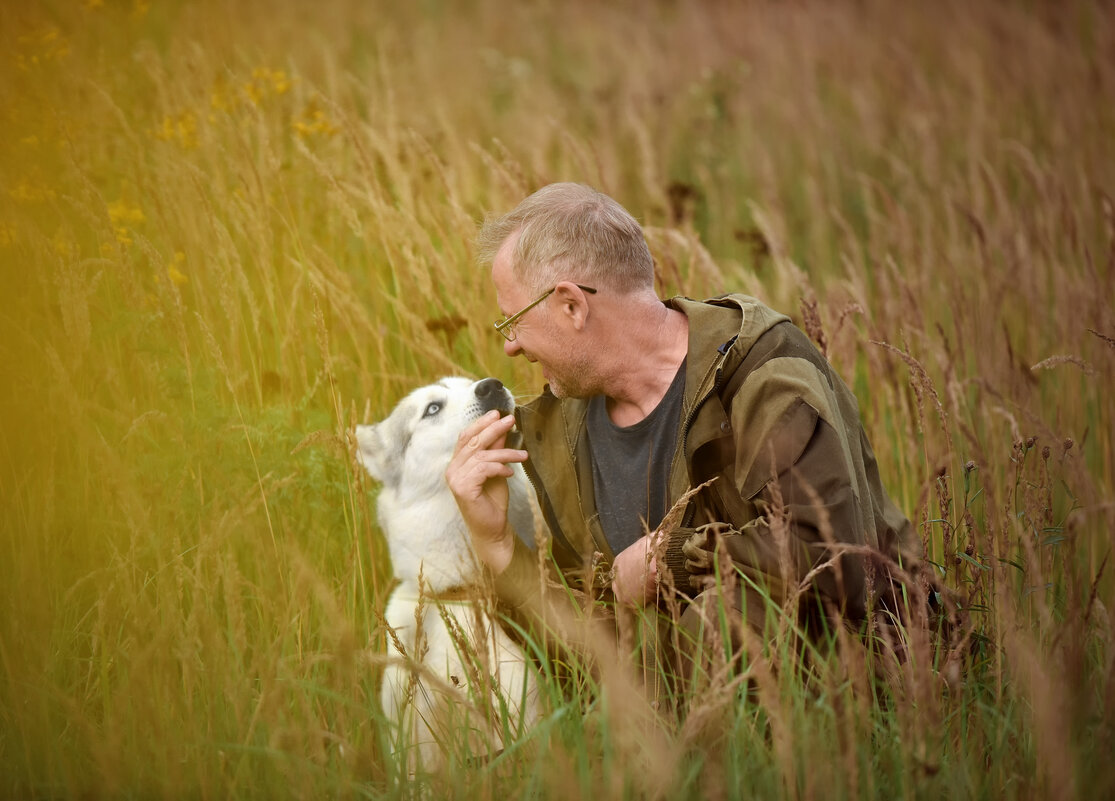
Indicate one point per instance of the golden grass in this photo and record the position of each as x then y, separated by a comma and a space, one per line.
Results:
228, 232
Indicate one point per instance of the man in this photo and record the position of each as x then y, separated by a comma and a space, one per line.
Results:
650, 399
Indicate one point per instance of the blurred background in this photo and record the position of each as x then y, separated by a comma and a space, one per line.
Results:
230, 231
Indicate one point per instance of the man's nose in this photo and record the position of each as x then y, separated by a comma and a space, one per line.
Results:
511, 348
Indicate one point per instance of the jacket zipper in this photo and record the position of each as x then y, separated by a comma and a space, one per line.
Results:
549, 517
702, 399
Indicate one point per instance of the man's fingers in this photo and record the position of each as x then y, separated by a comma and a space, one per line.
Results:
503, 455
468, 457
476, 461
478, 438
472, 483
485, 430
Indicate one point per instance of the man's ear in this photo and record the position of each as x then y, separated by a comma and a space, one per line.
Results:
573, 303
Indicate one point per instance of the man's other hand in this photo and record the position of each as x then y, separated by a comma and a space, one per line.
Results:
635, 572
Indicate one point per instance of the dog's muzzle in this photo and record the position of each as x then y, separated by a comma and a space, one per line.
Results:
490, 393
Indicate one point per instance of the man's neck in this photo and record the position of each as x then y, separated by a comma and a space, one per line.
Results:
647, 361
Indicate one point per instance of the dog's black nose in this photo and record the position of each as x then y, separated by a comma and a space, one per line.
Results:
488, 386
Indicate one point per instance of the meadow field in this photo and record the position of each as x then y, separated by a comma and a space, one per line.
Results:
230, 230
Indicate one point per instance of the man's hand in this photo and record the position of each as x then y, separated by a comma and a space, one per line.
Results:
477, 476
635, 572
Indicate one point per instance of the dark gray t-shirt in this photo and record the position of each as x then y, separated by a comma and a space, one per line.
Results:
631, 466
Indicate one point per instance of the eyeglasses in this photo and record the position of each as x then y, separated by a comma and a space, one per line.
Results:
504, 326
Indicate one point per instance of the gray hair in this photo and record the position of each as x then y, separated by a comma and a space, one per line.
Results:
571, 232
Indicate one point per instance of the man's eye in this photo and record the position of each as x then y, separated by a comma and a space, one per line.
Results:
432, 409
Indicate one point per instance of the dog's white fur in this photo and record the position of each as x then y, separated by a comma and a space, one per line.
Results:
458, 667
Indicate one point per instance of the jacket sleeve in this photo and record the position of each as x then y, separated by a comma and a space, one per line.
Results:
804, 513
520, 579
537, 596
787, 504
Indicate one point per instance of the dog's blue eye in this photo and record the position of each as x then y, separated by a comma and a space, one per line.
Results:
432, 409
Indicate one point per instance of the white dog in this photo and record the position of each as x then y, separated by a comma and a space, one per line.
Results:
458, 673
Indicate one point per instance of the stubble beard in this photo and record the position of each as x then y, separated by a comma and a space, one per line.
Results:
576, 380
575, 374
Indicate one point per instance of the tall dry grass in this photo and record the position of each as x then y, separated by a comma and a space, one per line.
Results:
229, 232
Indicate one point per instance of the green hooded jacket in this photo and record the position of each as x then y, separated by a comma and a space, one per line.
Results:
792, 481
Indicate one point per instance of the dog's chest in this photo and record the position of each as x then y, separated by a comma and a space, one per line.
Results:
433, 548
434, 632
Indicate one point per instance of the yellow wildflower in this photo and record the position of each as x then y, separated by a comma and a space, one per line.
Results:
181, 128
27, 192
41, 48
264, 82
121, 212
165, 132
313, 122
121, 216
173, 273
280, 84
254, 92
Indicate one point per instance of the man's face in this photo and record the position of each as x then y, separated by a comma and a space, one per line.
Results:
542, 335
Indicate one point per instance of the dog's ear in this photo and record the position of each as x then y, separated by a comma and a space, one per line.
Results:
375, 453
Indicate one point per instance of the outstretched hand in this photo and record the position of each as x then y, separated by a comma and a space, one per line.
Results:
477, 476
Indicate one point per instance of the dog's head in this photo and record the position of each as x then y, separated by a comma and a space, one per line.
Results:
414, 444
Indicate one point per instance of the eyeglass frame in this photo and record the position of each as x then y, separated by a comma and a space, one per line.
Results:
504, 326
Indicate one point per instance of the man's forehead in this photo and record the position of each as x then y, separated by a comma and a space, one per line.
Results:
503, 279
